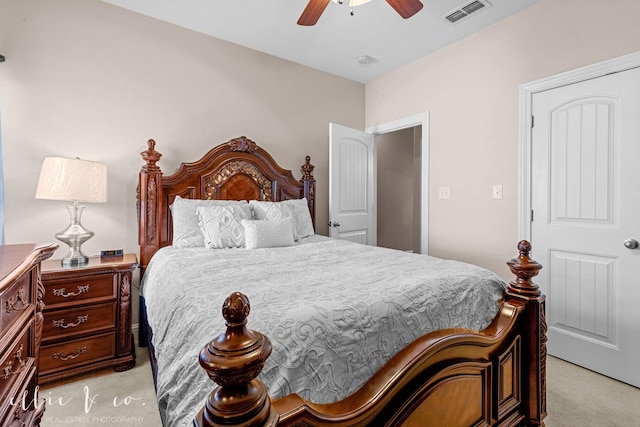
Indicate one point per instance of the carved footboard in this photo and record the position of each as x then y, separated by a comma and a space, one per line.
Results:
446, 378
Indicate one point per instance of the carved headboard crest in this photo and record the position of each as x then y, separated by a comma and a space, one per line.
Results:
243, 143
232, 168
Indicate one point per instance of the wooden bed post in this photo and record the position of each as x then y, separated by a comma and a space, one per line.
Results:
233, 360
309, 187
535, 341
149, 197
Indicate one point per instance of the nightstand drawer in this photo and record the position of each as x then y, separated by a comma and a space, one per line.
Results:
92, 318
15, 301
16, 362
56, 357
99, 287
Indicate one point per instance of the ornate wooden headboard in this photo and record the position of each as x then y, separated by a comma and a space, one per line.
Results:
235, 170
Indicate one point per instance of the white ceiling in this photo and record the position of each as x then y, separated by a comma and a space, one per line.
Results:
336, 42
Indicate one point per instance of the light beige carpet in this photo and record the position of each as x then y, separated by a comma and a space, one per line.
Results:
105, 398
576, 397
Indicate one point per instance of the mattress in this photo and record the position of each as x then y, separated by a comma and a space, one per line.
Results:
335, 312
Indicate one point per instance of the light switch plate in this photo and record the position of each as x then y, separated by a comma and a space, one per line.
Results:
444, 192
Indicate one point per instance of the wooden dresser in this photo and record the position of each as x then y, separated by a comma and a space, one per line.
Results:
87, 317
20, 332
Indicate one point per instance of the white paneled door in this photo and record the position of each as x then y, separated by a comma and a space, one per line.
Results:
351, 185
586, 220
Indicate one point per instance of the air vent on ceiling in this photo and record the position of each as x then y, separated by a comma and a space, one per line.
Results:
465, 10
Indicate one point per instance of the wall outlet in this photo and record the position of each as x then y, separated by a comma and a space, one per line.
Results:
497, 191
444, 192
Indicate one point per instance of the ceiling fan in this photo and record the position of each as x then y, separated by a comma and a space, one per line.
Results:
311, 13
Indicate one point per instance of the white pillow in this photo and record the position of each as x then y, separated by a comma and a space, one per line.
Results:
186, 228
303, 226
268, 234
270, 211
295, 209
221, 225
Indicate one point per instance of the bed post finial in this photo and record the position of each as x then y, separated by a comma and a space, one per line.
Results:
151, 156
525, 269
535, 336
307, 168
233, 360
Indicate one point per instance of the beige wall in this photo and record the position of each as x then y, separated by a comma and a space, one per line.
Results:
88, 79
471, 90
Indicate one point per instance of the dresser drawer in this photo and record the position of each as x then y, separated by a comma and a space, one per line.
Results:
85, 319
16, 362
22, 409
16, 300
99, 287
56, 357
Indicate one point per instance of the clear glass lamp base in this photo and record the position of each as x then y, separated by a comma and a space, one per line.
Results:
74, 236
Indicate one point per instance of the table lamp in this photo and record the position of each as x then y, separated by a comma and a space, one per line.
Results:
78, 181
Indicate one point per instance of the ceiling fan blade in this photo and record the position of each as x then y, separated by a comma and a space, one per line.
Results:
312, 12
406, 8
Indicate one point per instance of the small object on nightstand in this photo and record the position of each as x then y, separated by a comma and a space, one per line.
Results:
112, 253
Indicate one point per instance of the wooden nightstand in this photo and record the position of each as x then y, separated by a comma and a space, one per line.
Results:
87, 317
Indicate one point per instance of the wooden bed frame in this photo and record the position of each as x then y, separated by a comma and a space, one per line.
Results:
453, 377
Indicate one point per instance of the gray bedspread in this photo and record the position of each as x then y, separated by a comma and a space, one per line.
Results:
334, 310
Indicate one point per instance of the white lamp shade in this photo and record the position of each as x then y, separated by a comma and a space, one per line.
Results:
72, 180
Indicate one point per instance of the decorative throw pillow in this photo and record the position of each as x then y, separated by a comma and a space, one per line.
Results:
295, 209
185, 220
268, 234
221, 225
303, 226
270, 211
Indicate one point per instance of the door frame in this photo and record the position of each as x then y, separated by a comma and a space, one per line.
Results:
527, 90
420, 119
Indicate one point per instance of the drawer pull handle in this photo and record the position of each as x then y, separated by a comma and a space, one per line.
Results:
70, 356
62, 292
7, 370
17, 302
63, 324
19, 415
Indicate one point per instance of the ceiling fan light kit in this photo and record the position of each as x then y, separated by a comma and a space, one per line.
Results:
352, 2
314, 9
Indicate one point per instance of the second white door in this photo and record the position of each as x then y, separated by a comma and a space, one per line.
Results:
586, 218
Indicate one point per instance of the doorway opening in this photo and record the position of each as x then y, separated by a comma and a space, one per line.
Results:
398, 189
412, 130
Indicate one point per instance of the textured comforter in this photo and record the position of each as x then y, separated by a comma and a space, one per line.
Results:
334, 310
